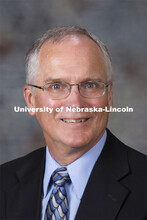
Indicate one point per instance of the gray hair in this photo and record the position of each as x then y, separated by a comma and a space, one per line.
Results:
56, 35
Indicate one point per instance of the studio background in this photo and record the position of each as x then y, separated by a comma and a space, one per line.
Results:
121, 25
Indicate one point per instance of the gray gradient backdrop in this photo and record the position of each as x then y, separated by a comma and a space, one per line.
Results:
121, 25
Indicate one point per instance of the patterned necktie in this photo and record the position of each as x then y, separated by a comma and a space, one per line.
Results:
57, 207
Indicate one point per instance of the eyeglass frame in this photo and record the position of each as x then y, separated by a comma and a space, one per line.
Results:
74, 84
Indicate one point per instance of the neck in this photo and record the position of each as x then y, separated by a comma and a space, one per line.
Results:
64, 157
64, 154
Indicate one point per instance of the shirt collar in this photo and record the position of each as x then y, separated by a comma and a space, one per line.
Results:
76, 170
50, 166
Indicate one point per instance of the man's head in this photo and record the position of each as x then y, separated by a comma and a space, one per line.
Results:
69, 55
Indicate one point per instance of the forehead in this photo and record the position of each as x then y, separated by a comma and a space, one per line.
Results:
75, 54
71, 41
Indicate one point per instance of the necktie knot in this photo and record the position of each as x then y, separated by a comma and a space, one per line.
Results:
60, 177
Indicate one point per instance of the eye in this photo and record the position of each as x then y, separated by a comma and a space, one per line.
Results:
56, 86
90, 85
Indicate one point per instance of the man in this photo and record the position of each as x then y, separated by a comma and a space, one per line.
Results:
84, 172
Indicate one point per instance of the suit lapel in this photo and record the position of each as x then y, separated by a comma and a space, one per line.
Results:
27, 192
104, 194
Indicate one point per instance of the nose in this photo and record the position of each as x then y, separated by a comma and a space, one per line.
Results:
74, 99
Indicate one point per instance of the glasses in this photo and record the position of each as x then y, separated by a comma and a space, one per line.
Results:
61, 90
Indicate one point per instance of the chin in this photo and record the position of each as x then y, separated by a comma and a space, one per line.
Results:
76, 142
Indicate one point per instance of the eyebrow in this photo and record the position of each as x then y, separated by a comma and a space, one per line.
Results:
49, 79
92, 79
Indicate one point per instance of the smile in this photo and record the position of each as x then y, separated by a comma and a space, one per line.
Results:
75, 120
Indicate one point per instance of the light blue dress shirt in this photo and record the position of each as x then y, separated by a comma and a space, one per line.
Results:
79, 172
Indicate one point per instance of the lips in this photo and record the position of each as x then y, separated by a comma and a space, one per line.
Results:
70, 120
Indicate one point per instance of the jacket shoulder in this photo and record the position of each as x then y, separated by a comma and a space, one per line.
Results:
21, 170
137, 161
14, 164
131, 151
29, 162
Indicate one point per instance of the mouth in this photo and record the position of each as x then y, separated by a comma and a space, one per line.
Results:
70, 120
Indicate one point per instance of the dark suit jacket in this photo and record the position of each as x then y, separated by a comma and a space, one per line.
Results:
117, 187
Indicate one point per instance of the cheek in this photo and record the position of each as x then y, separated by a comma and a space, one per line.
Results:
42, 101
100, 117
100, 102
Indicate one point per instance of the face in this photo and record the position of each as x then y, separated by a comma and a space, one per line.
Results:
73, 60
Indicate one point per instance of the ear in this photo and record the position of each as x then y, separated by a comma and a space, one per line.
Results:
110, 95
29, 98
